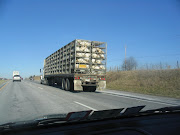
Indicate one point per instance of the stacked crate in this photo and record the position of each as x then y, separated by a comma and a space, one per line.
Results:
91, 56
79, 56
60, 61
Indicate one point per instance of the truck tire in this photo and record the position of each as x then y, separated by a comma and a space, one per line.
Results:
71, 85
68, 85
63, 84
49, 81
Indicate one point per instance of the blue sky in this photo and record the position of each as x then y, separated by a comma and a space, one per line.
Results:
30, 30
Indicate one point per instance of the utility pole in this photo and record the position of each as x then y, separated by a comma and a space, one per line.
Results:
125, 57
177, 65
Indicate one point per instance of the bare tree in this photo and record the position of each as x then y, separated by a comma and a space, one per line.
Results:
30, 77
129, 64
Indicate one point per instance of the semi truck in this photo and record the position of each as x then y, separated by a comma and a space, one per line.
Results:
77, 66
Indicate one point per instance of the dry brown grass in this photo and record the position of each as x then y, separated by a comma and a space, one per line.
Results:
37, 78
154, 82
2, 81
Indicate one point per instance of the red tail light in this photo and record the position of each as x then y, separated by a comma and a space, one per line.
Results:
102, 78
76, 78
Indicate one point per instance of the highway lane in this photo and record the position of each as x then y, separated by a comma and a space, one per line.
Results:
27, 100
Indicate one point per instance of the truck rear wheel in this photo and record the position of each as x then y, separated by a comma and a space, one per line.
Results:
50, 82
68, 85
63, 84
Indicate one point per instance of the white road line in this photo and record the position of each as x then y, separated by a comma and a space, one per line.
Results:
136, 98
85, 106
40, 88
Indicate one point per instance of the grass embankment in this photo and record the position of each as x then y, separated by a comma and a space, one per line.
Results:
2, 81
153, 82
37, 78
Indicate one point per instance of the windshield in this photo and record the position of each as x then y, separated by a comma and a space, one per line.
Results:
16, 75
87, 55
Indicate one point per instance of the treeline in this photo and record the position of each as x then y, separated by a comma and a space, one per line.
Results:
131, 64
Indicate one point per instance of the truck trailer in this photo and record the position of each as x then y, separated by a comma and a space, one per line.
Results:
15, 73
79, 65
16, 76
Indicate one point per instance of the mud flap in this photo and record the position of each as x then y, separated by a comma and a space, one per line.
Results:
77, 85
101, 85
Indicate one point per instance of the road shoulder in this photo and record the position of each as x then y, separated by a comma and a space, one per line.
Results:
167, 100
3, 84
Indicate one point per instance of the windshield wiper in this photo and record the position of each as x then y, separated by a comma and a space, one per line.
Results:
46, 120
51, 119
114, 113
163, 110
130, 112
63, 118
18, 125
86, 116
71, 117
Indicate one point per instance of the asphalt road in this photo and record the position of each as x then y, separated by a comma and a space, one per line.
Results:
28, 100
